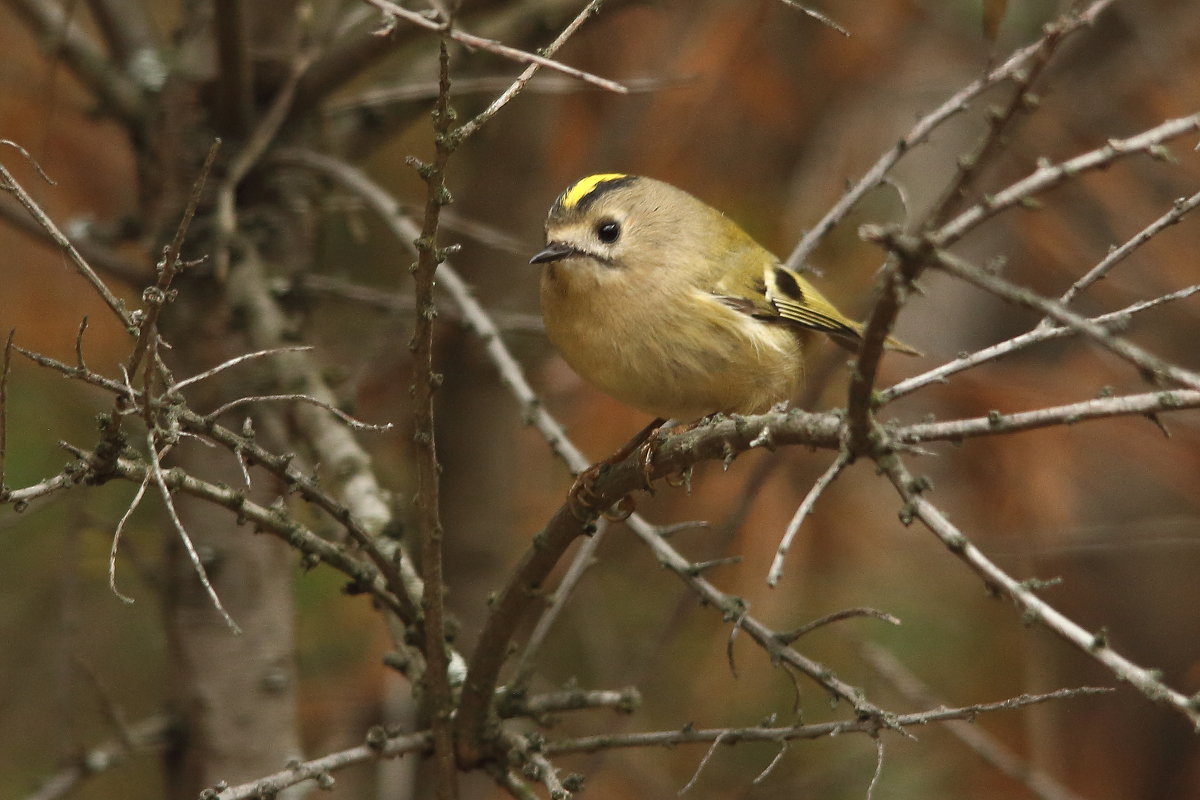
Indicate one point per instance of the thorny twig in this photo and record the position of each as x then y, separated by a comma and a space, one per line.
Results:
383, 744
10, 184
988, 747
438, 683
1049, 175
156, 474
1178, 210
468, 129
470, 40
176, 387
926, 251
899, 274
850, 613
116, 540
806, 506
1036, 336
159, 295
957, 103
867, 725
350, 421
1033, 608
364, 577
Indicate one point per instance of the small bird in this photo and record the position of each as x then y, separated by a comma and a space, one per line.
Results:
668, 306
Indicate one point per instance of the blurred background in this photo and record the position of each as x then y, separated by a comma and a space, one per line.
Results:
765, 113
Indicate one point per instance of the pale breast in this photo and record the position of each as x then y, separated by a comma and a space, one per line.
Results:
682, 360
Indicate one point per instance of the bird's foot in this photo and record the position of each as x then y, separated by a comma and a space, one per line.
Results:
584, 503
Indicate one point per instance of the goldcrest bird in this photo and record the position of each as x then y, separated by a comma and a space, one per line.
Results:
668, 306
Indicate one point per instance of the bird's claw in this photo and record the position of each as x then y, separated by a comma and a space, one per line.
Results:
646, 453
585, 505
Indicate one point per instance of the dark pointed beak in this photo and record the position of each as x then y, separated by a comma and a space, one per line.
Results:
554, 251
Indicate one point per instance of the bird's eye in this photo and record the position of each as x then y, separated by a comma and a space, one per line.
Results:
608, 231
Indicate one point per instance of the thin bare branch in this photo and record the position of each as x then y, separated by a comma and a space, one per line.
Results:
899, 275
468, 129
381, 98
732, 608
988, 747
850, 613
399, 302
583, 559
993, 142
438, 691
379, 745
233, 362
996, 423
929, 252
156, 474
817, 15
382, 744
536, 765
878, 768
1049, 175
20, 499
538, 705
350, 421
104, 259
10, 184
159, 295
1037, 335
1033, 608
462, 37
955, 104
762, 776
806, 506
116, 541
870, 726
364, 576
720, 737
1179, 209
508, 780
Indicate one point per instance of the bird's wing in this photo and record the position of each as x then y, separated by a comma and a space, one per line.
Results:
780, 295
797, 300
783, 296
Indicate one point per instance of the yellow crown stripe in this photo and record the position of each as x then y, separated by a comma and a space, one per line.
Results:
582, 188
